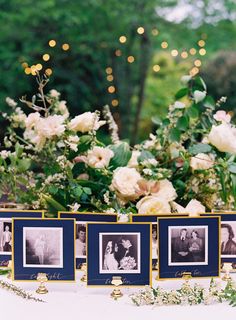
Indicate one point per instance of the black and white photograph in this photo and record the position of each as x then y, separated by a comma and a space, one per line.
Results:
154, 241
228, 239
187, 245
119, 252
5, 236
80, 242
43, 247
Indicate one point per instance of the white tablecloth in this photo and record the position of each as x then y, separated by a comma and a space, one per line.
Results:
76, 301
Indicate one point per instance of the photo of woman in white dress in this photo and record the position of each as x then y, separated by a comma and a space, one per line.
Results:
110, 263
40, 248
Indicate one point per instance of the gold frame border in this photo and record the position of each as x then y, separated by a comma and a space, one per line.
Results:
150, 260
87, 213
219, 259
13, 264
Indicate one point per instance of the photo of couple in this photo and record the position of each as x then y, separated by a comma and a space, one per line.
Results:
188, 245
119, 253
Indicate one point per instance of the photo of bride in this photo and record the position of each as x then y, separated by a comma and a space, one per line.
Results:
119, 253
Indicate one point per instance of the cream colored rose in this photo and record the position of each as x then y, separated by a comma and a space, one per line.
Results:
153, 205
37, 139
223, 137
86, 122
166, 191
125, 182
194, 208
50, 126
133, 162
202, 161
32, 120
99, 157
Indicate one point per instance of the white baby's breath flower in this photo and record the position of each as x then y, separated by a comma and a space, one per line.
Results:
147, 172
72, 142
74, 207
4, 154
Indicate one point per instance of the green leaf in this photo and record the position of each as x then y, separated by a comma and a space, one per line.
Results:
52, 189
182, 123
193, 112
53, 203
23, 165
87, 191
166, 122
209, 103
200, 83
233, 179
156, 120
232, 167
181, 93
19, 150
175, 134
77, 192
84, 143
200, 148
145, 155
78, 168
122, 155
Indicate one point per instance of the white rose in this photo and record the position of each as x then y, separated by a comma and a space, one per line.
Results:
125, 181
223, 137
85, 122
153, 205
202, 161
166, 191
194, 208
32, 120
36, 139
133, 162
99, 157
51, 126
199, 95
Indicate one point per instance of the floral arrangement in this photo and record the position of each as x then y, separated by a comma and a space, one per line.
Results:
187, 295
52, 161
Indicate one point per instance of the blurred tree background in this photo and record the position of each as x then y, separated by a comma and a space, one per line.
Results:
129, 54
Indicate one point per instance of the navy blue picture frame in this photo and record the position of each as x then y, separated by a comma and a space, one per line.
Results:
9, 214
87, 217
151, 218
212, 269
25, 273
228, 217
95, 277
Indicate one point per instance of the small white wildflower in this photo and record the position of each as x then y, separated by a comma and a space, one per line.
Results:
106, 197
54, 93
4, 154
110, 211
11, 102
148, 172
74, 207
179, 105
123, 217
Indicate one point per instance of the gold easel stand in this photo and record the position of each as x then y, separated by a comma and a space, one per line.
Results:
9, 266
116, 293
84, 269
186, 276
227, 267
42, 278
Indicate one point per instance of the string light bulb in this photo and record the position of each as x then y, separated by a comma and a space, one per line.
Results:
156, 68
202, 52
192, 51
184, 54
27, 70
197, 63
122, 39
140, 30
174, 53
115, 102
118, 53
48, 71
52, 43
155, 32
46, 57
65, 46
108, 70
110, 78
164, 44
130, 59
201, 43
111, 89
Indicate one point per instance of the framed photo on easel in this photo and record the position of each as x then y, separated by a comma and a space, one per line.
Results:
6, 216
82, 218
191, 245
119, 249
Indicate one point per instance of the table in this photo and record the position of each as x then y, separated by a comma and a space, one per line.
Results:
76, 301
